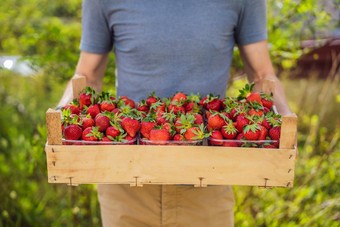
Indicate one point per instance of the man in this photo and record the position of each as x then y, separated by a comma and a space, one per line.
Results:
168, 46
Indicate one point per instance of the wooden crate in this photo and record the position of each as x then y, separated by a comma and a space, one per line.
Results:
151, 164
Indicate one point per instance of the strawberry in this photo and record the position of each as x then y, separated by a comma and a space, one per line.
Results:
126, 101
159, 136
128, 140
184, 123
241, 121
131, 126
92, 134
267, 100
87, 97
107, 102
195, 133
229, 131
203, 102
113, 131
240, 137
251, 132
158, 106
176, 109
254, 112
178, 137
142, 106
216, 121
179, 98
263, 133
229, 144
103, 121
73, 106
236, 111
275, 133
268, 145
251, 97
151, 99
93, 110
72, 132
105, 141
216, 138
214, 104
198, 119
146, 127
87, 121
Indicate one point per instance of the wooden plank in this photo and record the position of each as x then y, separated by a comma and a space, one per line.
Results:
53, 122
201, 165
78, 84
268, 86
288, 131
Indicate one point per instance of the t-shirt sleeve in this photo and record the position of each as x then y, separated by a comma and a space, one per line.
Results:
96, 35
252, 23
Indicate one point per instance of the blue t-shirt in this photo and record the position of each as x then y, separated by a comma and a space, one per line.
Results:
171, 45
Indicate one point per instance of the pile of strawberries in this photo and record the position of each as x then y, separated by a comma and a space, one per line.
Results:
247, 120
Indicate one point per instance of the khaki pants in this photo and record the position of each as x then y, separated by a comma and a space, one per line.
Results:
166, 205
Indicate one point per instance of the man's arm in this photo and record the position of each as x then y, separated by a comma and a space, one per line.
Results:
257, 65
93, 67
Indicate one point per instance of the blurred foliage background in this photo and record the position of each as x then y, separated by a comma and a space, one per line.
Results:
47, 34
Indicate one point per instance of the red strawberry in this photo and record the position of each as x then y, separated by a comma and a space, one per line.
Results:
240, 137
72, 132
198, 119
229, 131
254, 112
106, 141
178, 137
113, 131
267, 100
87, 122
247, 93
107, 106
151, 99
142, 106
251, 132
214, 104
241, 121
267, 145
131, 126
129, 140
127, 101
179, 98
229, 144
159, 136
216, 121
238, 110
73, 107
146, 127
195, 133
204, 102
87, 97
263, 133
275, 133
102, 122
93, 110
92, 134
216, 138
176, 109
266, 123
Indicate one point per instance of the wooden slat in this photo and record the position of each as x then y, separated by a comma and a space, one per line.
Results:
202, 165
288, 131
53, 122
268, 86
78, 84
